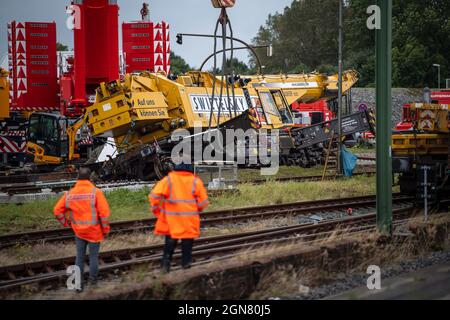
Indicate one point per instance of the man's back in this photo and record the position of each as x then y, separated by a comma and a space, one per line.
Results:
180, 197
87, 209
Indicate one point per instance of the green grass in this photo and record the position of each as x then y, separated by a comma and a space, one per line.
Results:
276, 192
127, 205
284, 171
361, 149
124, 204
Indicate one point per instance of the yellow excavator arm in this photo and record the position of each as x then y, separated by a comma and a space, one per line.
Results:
71, 136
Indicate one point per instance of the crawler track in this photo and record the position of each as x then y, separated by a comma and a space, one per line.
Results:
365, 203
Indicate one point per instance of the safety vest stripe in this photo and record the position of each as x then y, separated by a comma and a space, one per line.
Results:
171, 200
184, 201
194, 185
78, 197
155, 207
204, 202
93, 210
178, 213
170, 188
67, 205
154, 196
84, 222
67, 199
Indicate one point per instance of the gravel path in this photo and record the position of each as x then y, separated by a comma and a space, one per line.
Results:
360, 279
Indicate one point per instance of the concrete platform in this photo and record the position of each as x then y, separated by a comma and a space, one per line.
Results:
431, 283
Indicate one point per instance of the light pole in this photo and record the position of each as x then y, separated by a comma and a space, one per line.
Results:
339, 162
439, 74
384, 115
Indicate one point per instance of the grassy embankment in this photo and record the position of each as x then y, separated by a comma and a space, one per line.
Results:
127, 205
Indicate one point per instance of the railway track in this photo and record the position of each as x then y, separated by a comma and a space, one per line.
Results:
58, 186
239, 215
36, 177
53, 271
302, 178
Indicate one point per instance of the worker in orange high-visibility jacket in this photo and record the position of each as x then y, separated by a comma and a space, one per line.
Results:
86, 210
176, 201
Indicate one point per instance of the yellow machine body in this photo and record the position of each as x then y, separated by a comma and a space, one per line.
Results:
147, 107
419, 144
432, 124
306, 87
39, 156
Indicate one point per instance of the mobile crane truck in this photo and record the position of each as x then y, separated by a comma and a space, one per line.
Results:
12, 129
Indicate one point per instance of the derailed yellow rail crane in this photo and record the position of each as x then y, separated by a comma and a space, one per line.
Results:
142, 111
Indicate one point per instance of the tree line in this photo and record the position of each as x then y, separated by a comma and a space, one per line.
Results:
305, 38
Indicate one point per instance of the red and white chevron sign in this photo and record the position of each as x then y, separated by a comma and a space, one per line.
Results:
34, 109
13, 133
223, 3
10, 146
87, 141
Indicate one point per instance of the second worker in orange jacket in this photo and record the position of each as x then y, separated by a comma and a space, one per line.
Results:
88, 212
176, 201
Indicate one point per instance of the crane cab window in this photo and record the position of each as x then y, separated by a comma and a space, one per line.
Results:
286, 116
268, 103
47, 130
274, 106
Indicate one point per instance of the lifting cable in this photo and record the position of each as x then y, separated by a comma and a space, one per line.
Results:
229, 79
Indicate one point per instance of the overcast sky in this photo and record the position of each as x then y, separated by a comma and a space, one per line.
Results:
194, 16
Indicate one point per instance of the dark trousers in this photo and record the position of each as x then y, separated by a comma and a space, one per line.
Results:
94, 248
169, 248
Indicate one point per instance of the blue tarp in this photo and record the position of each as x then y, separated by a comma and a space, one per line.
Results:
348, 162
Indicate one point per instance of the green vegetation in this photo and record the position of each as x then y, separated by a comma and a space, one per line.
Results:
126, 205
304, 38
359, 149
232, 66
61, 47
283, 172
178, 65
276, 192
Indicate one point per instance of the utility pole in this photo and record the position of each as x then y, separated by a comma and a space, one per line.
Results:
384, 123
341, 39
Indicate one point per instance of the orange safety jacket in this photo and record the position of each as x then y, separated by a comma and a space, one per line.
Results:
88, 211
177, 201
